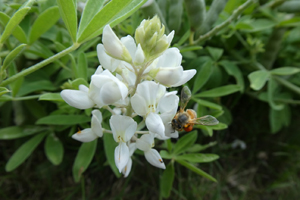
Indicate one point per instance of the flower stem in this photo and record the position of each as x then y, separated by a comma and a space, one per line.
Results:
40, 65
236, 13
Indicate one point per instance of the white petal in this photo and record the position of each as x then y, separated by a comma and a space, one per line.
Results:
126, 170
167, 103
105, 60
139, 105
99, 70
77, 99
170, 58
139, 56
145, 143
153, 157
121, 155
96, 123
155, 124
130, 45
83, 88
169, 76
111, 42
86, 135
110, 93
170, 37
186, 76
132, 148
123, 127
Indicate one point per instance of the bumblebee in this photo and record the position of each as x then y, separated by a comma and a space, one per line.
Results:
187, 119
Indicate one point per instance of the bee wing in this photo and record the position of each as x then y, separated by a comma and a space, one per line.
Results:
207, 120
185, 97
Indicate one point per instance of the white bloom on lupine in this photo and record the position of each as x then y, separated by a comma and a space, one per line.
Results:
115, 64
159, 108
106, 89
145, 143
144, 103
126, 170
78, 98
113, 46
168, 70
123, 128
90, 134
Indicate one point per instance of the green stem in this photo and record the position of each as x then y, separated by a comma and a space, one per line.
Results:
236, 13
287, 84
39, 65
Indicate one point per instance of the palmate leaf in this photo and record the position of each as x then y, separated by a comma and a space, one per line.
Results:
83, 159
195, 169
24, 152
112, 13
166, 182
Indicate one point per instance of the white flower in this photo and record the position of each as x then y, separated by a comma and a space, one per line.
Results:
115, 64
90, 134
123, 128
106, 89
152, 101
126, 170
145, 143
78, 98
168, 70
113, 46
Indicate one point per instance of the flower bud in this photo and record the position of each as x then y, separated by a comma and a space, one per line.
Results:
150, 35
113, 46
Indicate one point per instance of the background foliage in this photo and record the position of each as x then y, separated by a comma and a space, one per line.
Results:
246, 56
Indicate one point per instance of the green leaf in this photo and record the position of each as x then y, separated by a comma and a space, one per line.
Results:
165, 154
16, 85
82, 66
92, 7
190, 48
68, 13
23, 152
43, 23
294, 22
207, 104
197, 147
14, 132
29, 87
54, 149
12, 55
166, 181
219, 91
51, 97
258, 79
207, 130
272, 86
83, 159
79, 81
195, 169
215, 53
18, 32
260, 25
234, 71
284, 71
3, 90
64, 119
198, 157
219, 126
202, 76
185, 142
112, 13
109, 148
13, 23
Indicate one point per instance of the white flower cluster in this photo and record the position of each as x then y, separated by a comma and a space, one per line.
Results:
137, 73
